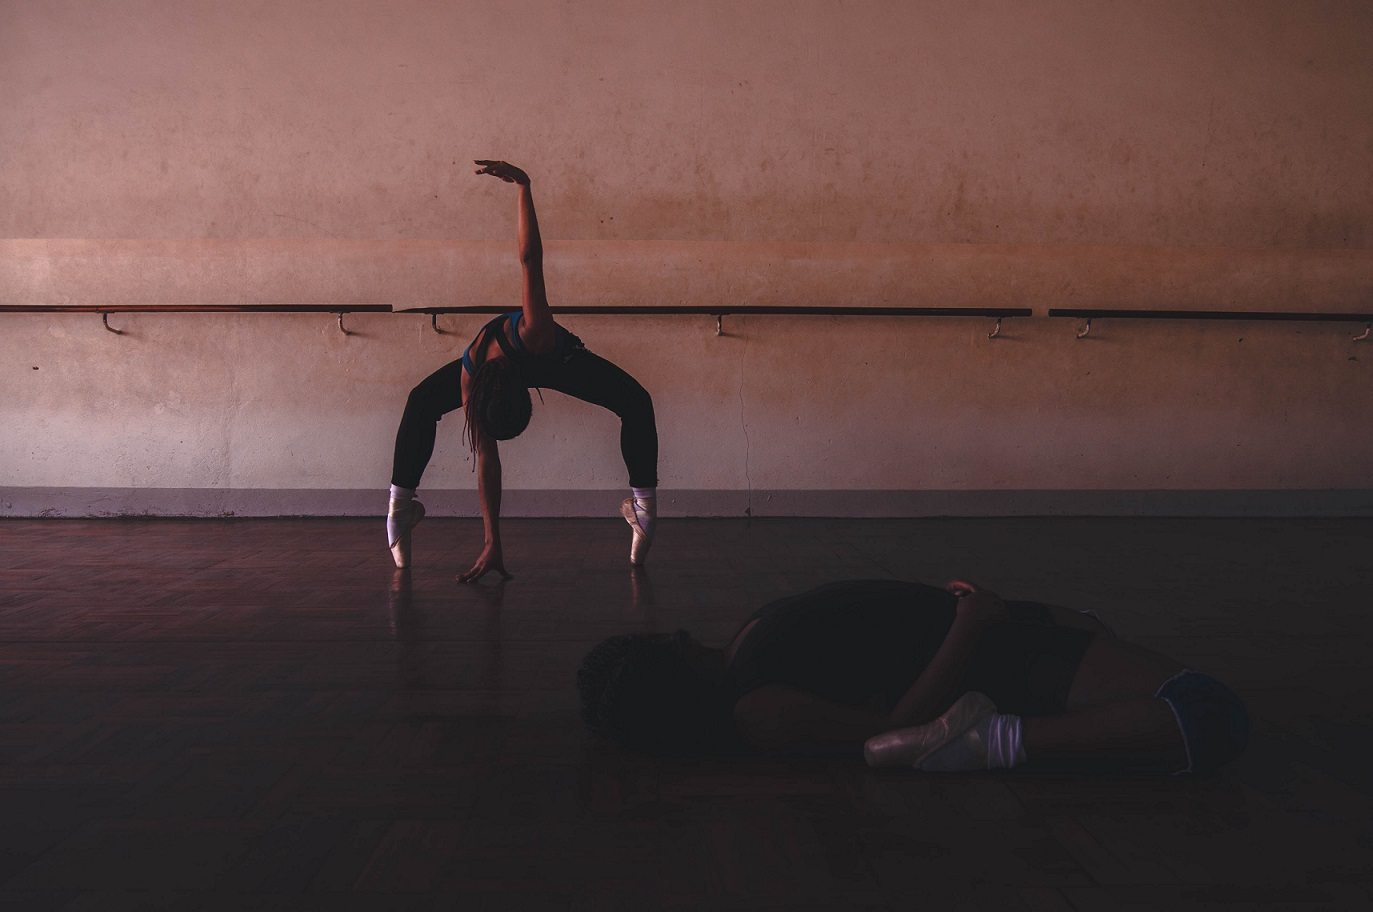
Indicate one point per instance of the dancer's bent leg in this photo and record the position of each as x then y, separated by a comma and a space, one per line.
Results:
1131, 734
1128, 709
434, 397
593, 379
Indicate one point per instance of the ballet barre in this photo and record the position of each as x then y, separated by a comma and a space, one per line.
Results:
1087, 315
719, 313
1288, 316
106, 310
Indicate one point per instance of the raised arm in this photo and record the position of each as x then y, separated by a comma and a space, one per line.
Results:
536, 327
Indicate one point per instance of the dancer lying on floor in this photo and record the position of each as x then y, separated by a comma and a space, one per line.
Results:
914, 676
491, 381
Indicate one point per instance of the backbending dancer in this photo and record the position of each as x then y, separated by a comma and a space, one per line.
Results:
510, 354
914, 676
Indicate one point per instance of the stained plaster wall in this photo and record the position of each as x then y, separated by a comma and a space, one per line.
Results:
1152, 155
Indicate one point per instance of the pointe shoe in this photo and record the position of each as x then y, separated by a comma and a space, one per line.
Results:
910, 746
639, 545
405, 518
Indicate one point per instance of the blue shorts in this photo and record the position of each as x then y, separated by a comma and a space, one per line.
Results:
1214, 722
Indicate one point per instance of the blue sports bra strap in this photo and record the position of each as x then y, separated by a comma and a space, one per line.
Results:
479, 343
509, 341
514, 330
511, 349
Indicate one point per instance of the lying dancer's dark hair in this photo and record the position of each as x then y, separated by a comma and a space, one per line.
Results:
497, 402
641, 692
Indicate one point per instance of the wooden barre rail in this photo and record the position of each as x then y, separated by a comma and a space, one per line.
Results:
1287, 316
197, 308
106, 310
745, 310
720, 312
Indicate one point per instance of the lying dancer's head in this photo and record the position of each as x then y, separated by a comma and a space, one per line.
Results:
497, 402
657, 693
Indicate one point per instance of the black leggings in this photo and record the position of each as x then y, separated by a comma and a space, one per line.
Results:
582, 375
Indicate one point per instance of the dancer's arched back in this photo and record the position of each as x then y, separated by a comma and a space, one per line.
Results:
509, 355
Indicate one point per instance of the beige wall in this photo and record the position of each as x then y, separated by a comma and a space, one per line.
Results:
1151, 155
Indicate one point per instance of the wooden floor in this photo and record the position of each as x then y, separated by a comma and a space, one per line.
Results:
237, 714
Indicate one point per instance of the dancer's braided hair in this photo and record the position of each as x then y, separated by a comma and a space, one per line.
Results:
497, 403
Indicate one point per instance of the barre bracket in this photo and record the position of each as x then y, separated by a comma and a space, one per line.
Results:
434, 322
346, 332
996, 330
1086, 329
105, 319
1367, 331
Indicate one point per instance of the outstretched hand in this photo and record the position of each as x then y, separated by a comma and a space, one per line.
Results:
504, 170
490, 559
980, 605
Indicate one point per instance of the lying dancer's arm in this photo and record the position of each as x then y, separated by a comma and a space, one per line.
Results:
777, 718
489, 493
939, 684
536, 326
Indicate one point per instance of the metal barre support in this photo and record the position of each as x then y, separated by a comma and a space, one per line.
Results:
434, 322
719, 324
1367, 331
996, 330
105, 318
341, 328
1085, 330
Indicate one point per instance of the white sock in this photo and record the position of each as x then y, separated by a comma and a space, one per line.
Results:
1004, 747
645, 507
993, 743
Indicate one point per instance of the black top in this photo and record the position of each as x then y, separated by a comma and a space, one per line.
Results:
864, 643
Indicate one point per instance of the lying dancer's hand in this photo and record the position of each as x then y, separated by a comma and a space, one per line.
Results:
504, 170
979, 605
490, 559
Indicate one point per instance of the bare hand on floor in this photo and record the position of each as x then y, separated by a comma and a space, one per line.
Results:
490, 559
